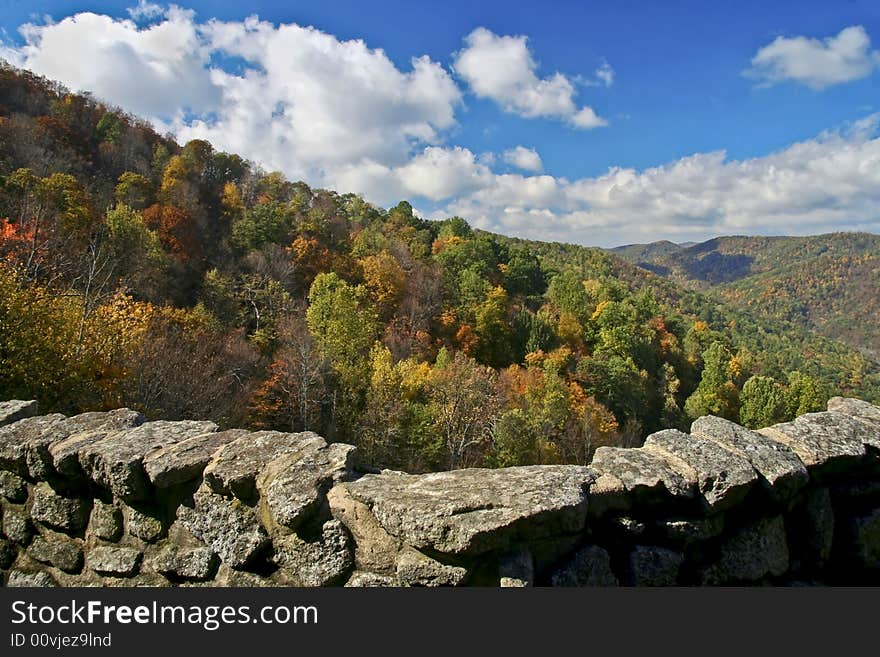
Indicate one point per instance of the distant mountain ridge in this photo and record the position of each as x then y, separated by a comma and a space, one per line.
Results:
828, 283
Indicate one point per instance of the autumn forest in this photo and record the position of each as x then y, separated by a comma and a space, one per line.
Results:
185, 282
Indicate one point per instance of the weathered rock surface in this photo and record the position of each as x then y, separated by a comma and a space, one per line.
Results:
589, 566
755, 552
294, 486
365, 579
84, 430
317, 563
19, 578
116, 461
15, 410
859, 409
106, 521
781, 471
821, 441
375, 548
628, 477
17, 526
193, 563
186, 460
114, 560
142, 525
472, 511
13, 487
229, 527
723, 478
59, 512
15, 437
650, 565
57, 550
417, 569
234, 469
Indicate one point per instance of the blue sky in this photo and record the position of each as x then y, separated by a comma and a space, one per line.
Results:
597, 123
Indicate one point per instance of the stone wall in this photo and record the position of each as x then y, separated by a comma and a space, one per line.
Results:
107, 499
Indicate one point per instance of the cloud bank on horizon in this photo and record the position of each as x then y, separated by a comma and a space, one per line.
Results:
340, 114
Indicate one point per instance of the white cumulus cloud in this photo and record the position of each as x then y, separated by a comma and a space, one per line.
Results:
817, 63
523, 158
502, 69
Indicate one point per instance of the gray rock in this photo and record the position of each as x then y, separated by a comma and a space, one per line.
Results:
228, 577
142, 525
516, 569
473, 511
114, 560
15, 438
753, 553
782, 472
365, 579
857, 408
626, 526
294, 486
866, 535
82, 430
234, 469
229, 527
116, 461
723, 478
375, 549
21, 579
15, 410
197, 564
319, 563
69, 514
629, 477
57, 550
826, 442
691, 530
13, 487
17, 526
106, 521
417, 569
186, 460
650, 565
589, 566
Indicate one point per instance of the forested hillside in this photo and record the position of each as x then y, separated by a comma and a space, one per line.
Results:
188, 283
827, 283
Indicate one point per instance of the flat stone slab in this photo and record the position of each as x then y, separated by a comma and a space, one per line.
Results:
782, 473
294, 486
473, 511
825, 442
82, 430
234, 469
186, 460
859, 409
630, 477
14, 439
16, 409
723, 478
116, 461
